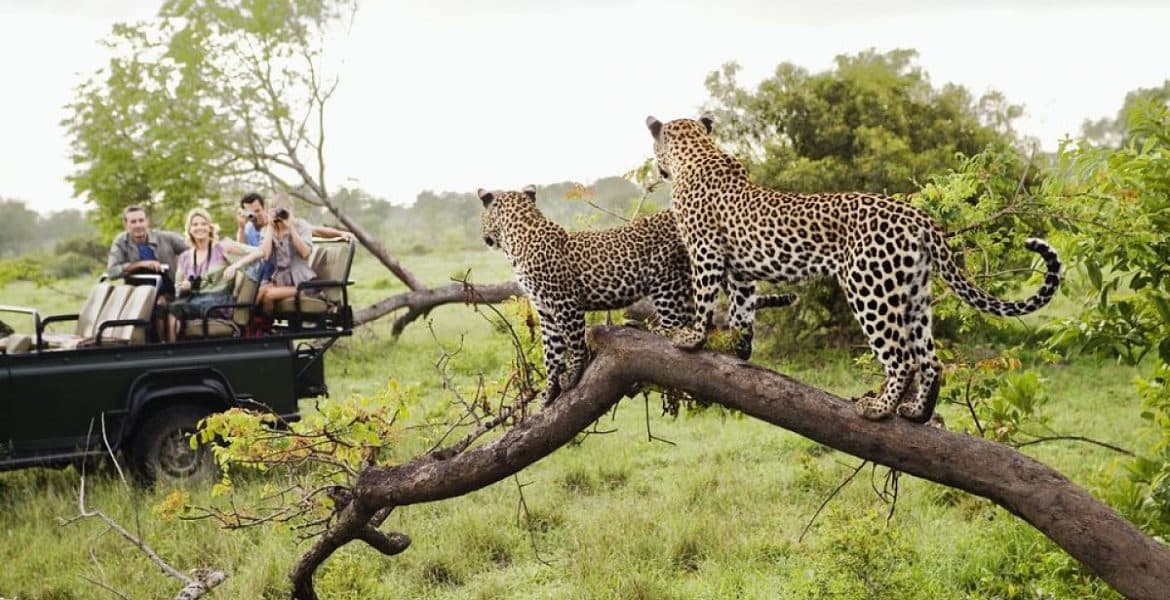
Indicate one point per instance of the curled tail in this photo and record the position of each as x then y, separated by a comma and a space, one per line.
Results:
965, 290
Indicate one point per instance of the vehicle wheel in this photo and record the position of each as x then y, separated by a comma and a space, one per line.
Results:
161, 449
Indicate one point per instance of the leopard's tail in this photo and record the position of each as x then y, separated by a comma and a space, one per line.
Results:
965, 290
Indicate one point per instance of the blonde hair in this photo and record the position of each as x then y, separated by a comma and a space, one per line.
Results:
200, 212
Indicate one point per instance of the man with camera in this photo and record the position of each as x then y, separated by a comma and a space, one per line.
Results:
252, 218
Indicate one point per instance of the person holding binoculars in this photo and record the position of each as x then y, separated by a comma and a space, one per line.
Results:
205, 275
286, 243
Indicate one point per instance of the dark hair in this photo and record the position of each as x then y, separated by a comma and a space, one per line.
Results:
130, 209
251, 197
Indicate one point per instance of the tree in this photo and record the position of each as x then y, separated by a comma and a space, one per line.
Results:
1134, 564
873, 123
218, 96
18, 227
1117, 131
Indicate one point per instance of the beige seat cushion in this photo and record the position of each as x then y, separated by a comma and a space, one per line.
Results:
16, 343
87, 317
243, 292
110, 311
139, 306
311, 305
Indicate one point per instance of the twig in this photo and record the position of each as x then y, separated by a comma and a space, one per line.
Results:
832, 494
522, 508
1073, 438
106, 587
649, 435
971, 407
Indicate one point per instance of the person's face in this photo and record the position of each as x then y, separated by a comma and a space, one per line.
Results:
200, 229
260, 216
137, 224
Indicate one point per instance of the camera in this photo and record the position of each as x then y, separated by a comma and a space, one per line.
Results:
281, 214
196, 283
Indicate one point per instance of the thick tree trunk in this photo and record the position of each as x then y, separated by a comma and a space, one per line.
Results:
1131, 562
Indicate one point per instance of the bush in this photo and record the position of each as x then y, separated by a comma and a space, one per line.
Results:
72, 264
84, 245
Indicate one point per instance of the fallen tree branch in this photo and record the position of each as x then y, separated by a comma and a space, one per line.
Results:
1113, 548
420, 302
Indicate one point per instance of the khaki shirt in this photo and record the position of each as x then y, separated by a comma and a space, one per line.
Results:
167, 248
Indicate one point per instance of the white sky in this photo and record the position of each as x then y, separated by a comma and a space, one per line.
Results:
451, 95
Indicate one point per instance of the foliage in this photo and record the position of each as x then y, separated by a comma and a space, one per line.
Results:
17, 227
873, 123
85, 245
193, 102
1000, 400
318, 457
862, 556
1124, 200
1116, 132
1124, 196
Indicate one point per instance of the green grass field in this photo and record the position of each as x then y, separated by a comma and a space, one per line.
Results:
717, 513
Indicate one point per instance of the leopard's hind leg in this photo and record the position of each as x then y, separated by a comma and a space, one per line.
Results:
741, 295
918, 317
881, 316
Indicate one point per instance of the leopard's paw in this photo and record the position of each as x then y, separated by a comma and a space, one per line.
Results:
687, 339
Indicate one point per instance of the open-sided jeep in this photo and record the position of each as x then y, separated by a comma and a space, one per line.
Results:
104, 387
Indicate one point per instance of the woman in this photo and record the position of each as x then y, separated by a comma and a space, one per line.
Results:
287, 242
204, 275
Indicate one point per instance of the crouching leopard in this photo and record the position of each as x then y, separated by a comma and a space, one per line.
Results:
879, 250
568, 273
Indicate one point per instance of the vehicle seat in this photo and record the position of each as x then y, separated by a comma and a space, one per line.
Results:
87, 318
110, 311
331, 261
16, 343
244, 295
139, 306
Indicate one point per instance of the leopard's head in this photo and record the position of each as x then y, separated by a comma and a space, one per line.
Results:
674, 141
501, 209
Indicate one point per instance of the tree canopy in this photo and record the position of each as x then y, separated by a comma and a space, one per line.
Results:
874, 122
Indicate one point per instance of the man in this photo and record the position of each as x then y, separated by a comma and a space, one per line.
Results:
140, 249
252, 218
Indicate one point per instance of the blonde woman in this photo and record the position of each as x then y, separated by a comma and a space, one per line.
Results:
205, 275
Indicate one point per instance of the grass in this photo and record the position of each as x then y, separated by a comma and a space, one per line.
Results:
717, 513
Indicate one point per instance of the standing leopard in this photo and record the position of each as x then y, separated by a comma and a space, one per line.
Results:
568, 273
879, 250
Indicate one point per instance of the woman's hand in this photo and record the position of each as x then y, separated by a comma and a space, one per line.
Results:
229, 274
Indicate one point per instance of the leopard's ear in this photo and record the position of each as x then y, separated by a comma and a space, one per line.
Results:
655, 127
530, 191
485, 196
708, 122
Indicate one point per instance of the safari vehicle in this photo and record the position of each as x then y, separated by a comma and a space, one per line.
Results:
106, 388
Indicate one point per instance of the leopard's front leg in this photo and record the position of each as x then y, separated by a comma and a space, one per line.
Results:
562, 330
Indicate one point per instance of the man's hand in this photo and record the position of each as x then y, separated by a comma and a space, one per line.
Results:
229, 274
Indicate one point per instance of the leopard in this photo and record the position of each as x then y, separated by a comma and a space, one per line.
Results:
880, 250
567, 273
